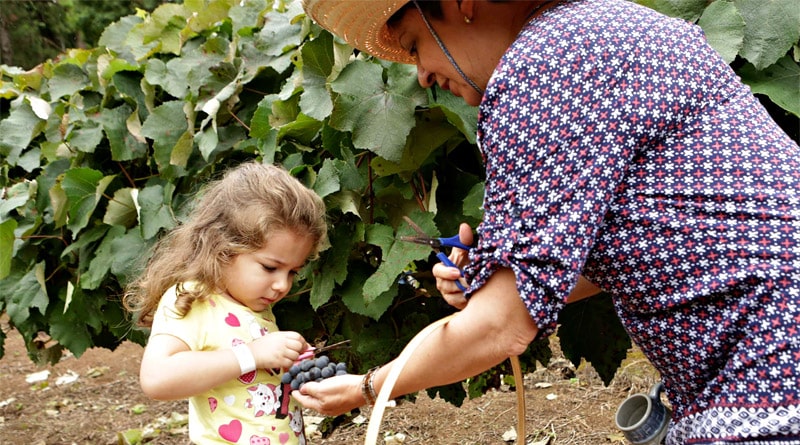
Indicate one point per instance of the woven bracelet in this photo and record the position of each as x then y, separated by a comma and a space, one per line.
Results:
368, 388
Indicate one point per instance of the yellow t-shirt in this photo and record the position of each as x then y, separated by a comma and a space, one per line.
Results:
243, 410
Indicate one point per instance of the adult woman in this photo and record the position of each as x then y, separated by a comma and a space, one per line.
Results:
619, 146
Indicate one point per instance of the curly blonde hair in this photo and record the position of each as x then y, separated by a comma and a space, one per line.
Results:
235, 214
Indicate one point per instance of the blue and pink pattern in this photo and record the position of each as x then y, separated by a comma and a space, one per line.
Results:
621, 147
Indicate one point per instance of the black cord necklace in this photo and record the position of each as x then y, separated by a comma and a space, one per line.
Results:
450, 57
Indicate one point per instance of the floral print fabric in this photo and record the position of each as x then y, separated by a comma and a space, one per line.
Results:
618, 145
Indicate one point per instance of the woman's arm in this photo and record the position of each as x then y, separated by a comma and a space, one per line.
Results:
492, 327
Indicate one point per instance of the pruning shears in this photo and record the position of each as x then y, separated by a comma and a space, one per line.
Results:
436, 244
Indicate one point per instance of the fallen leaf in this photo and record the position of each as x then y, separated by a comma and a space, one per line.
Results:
394, 439
510, 435
66, 379
97, 372
38, 377
616, 437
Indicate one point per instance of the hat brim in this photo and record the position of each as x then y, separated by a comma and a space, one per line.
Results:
362, 24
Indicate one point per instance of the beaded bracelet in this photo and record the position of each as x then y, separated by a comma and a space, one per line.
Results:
368, 388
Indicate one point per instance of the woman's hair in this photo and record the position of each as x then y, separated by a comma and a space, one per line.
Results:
235, 214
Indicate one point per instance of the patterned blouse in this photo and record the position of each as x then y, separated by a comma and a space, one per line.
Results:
620, 146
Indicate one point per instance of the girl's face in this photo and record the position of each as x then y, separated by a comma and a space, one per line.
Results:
262, 278
433, 67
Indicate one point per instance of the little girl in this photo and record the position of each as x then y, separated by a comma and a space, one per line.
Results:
208, 292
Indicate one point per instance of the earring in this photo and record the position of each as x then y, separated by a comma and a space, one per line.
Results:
467, 20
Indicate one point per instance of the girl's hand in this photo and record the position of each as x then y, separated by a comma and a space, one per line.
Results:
278, 349
446, 276
332, 396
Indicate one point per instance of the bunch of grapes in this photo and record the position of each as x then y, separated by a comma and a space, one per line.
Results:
312, 370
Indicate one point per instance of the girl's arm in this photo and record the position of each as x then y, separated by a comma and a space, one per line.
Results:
170, 370
492, 327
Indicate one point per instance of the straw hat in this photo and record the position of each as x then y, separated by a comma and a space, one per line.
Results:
362, 24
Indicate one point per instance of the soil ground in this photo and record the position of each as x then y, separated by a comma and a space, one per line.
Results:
95, 399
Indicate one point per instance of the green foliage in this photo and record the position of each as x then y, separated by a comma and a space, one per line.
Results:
590, 329
101, 149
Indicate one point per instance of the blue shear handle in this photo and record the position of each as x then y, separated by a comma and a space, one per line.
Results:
454, 241
443, 258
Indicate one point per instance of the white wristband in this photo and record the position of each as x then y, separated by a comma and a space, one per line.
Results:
247, 363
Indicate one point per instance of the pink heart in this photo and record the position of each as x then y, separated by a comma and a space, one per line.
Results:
255, 440
231, 320
212, 403
284, 437
232, 431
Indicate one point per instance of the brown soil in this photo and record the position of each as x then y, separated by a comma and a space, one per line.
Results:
564, 406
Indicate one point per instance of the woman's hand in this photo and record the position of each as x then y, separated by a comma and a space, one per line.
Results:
278, 349
332, 396
446, 277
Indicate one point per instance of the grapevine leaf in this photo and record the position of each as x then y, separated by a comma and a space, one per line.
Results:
245, 14
427, 135
282, 32
473, 203
205, 14
17, 131
353, 296
84, 188
115, 36
124, 145
165, 126
780, 82
67, 80
380, 115
327, 180
260, 124
87, 137
460, 114
347, 201
125, 251
724, 29
6, 246
303, 129
686, 9
592, 330
101, 261
156, 213
318, 61
121, 209
771, 28
164, 26
15, 197
84, 241
26, 293
71, 332
453, 393
397, 254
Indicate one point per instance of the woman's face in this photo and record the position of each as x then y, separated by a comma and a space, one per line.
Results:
433, 67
